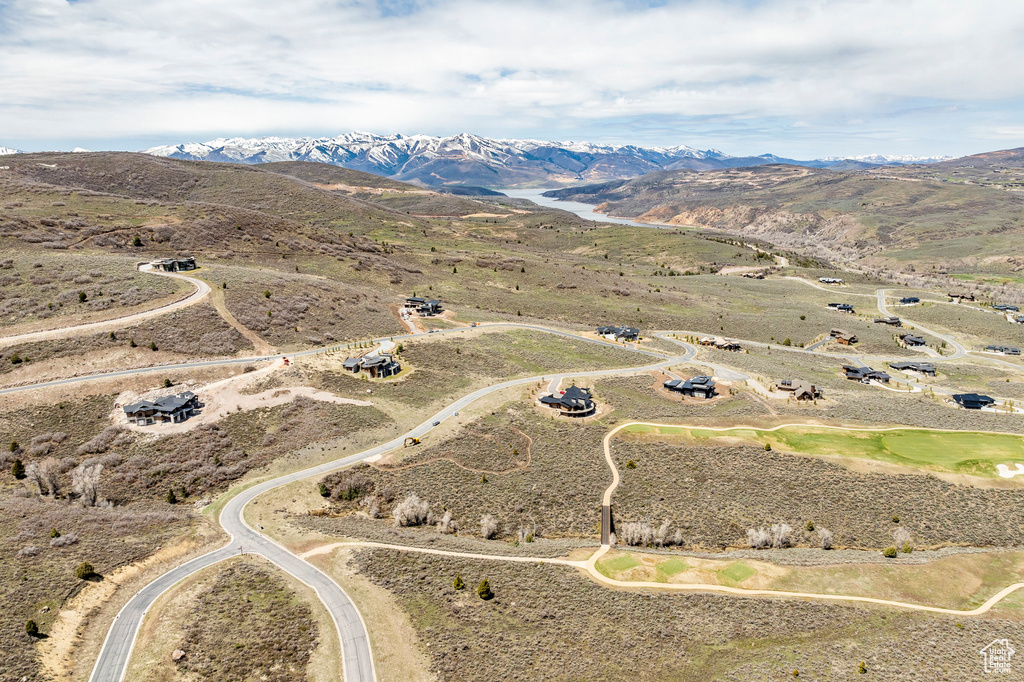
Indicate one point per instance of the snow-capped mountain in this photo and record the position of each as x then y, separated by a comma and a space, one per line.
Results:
471, 159
4, 151
888, 160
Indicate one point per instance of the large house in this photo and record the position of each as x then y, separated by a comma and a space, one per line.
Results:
1004, 308
378, 366
572, 402
720, 343
842, 307
801, 390
175, 264
973, 401
169, 408
698, 387
619, 333
844, 337
909, 300
961, 297
830, 280
1003, 350
912, 341
423, 306
913, 366
865, 374
892, 321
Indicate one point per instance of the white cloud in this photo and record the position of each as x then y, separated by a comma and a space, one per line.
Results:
104, 69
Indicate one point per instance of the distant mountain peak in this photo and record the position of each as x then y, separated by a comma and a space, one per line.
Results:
466, 158
5, 151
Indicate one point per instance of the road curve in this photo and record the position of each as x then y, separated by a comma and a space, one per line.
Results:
960, 351
201, 292
112, 662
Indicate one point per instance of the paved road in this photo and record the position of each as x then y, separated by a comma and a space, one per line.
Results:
959, 350
201, 292
357, 656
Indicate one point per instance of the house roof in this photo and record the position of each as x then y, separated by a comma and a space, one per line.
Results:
973, 399
574, 398
916, 340
416, 299
381, 360
914, 366
167, 403
351, 363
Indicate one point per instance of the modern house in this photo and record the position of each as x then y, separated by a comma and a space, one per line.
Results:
1019, 319
423, 306
912, 341
973, 401
892, 321
844, 337
166, 409
619, 333
698, 387
865, 374
1004, 308
961, 297
842, 307
720, 343
572, 402
909, 300
1003, 350
175, 264
830, 280
801, 390
753, 275
380, 366
912, 366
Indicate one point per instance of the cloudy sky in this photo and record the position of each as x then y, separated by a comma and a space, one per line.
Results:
800, 78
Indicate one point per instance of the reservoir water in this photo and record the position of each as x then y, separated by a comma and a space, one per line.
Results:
585, 211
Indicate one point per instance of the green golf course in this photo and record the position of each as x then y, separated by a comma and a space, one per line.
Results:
966, 452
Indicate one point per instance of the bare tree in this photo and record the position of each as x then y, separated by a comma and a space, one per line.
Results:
85, 479
661, 534
636, 533
488, 527
903, 540
759, 538
825, 538
412, 511
371, 503
446, 524
781, 535
677, 539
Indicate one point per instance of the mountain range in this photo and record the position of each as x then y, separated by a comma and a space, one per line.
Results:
467, 159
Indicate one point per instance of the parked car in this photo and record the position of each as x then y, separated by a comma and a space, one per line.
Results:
436, 423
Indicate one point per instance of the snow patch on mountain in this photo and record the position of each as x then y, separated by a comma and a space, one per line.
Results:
5, 151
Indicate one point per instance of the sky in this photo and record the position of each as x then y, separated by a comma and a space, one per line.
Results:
798, 78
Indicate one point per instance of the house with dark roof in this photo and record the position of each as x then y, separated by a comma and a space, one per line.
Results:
175, 264
1019, 319
961, 297
698, 387
865, 374
1003, 350
912, 341
166, 409
619, 333
842, 307
801, 390
830, 280
720, 343
973, 401
909, 300
1004, 308
423, 306
892, 321
572, 402
379, 366
914, 366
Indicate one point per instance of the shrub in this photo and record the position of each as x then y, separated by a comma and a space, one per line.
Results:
136, 242
758, 538
324, 490
31, 629
630, 464
780, 535
131, 343
16, 359
171, 497
64, 540
82, 297
661, 535
152, 345
889, 552
18, 469
862, 668
266, 294
767, 447
167, 383
446, 524
787, 342
488, 527
352, 486
459, 583
484, 590
810, 526
84, 570
54, 533
902, 538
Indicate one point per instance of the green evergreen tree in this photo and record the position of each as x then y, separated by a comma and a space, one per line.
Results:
459, 582
18, 469
484, 590
171, 497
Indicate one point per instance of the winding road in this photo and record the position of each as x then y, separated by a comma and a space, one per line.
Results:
111, 665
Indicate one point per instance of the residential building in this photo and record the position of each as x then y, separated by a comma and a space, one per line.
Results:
1003, 350
619, 333
909, 300
912, 341
720, 343
892, 321
842, 307
865, 374
175, 264
379, 366
801, 390
913, 366
572, 402
698, 387
844, 337
973, 401
830, 280
961, 297
1004, 308
166, 409
423, 306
